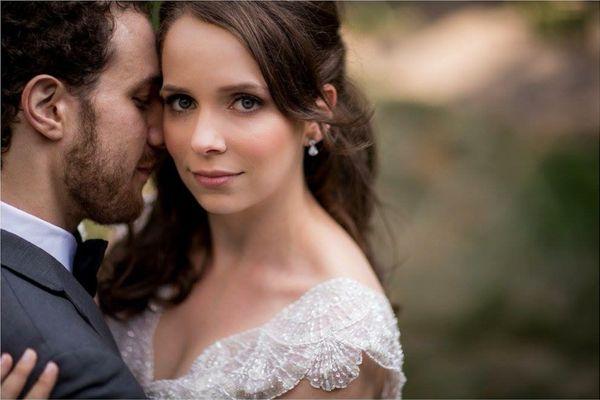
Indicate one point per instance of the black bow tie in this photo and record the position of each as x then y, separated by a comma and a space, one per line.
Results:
88, 258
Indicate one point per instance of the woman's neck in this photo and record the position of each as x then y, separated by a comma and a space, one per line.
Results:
271, 233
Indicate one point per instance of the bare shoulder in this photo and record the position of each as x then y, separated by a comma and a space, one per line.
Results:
340, 256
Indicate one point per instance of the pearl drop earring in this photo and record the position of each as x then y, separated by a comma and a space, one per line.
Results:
312, 149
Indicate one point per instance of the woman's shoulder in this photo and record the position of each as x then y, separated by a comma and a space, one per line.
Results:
336, 255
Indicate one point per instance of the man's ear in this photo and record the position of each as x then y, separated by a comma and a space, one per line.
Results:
313, 130
44, 103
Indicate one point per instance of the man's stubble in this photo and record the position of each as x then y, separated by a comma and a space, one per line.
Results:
97, 181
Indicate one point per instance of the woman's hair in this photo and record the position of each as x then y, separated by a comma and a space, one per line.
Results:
298, 48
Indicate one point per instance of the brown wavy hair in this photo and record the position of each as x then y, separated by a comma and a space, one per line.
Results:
298, 48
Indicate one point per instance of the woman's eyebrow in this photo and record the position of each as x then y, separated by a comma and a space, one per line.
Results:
236, 87
172, 89
243, 86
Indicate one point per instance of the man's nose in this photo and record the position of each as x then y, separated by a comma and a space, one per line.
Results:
155, 129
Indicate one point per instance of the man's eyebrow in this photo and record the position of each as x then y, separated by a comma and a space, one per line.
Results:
152, 80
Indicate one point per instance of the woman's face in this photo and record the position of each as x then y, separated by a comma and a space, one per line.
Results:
232, 147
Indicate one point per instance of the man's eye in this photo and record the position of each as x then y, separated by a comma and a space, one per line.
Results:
246, 103
180, 103
140, 103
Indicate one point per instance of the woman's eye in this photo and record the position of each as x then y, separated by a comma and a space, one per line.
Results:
180, 103
246, 104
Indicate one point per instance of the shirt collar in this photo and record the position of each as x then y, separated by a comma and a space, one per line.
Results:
55, 241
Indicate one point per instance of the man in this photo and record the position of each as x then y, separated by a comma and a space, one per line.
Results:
80, 125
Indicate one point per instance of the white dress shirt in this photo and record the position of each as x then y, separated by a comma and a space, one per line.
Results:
55, 241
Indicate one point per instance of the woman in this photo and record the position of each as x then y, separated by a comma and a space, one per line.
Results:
253, 277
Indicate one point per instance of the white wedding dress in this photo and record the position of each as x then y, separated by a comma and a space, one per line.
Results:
321, 337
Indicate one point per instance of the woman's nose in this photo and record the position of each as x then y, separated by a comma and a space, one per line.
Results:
207, 138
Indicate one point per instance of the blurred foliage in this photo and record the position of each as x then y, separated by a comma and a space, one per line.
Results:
525, 267
551, 19
562, 199
93, 230
560, 19
154, 13
497, 222
378, 17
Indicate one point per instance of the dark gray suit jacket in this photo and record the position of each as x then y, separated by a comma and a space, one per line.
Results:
45, 308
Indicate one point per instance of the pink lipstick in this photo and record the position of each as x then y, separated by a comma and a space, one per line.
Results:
215, 178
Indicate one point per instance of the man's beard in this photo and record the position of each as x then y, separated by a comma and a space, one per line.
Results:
98, 183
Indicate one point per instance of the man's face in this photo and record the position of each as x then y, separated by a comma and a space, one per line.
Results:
110, 159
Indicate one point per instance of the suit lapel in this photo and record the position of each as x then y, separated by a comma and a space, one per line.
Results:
34, 264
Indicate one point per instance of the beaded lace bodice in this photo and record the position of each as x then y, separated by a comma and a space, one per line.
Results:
320, 337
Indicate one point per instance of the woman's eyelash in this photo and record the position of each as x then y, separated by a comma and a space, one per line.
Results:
171, 98
245, 97
174, 102
241, 102
242, 96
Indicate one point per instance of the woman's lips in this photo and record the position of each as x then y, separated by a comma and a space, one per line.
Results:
213, 179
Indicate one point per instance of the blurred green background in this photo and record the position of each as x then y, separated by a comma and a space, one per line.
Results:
489, 119
488, 116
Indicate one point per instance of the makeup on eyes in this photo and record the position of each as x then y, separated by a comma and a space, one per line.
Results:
239, 102
248, 103
181, 101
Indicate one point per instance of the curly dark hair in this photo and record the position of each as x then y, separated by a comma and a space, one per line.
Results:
298, 47
68, 40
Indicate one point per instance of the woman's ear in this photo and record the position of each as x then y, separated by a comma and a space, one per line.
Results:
44, 103
313, 130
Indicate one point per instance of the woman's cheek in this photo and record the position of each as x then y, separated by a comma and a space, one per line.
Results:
270, 140
175, 139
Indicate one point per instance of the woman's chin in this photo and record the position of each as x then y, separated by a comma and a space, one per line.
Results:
219, 205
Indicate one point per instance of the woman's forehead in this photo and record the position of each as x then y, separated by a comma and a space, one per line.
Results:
194, 50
